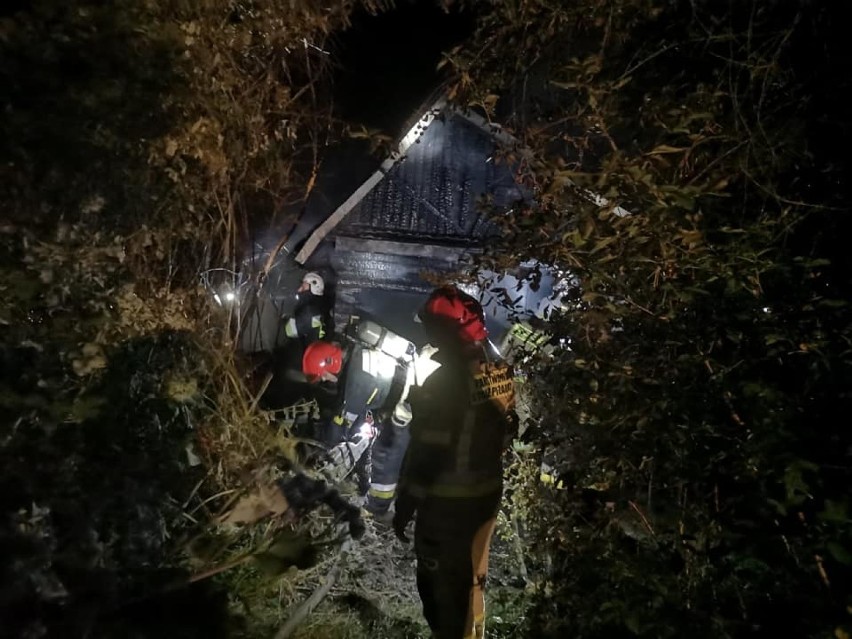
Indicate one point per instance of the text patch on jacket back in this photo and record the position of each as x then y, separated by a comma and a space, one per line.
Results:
494, 384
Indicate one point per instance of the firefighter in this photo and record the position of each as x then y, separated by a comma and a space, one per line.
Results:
366, 380
390, 446
452, 474
310, 320
362, 374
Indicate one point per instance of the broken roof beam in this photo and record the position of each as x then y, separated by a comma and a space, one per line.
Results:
497, 133
413, 134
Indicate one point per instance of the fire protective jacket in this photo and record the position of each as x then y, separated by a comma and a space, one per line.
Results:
371, 381
452, 476
462, 418
310, 319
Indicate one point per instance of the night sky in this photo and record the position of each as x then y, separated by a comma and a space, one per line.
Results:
390, 62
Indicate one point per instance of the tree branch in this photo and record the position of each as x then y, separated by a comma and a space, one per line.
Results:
305, 609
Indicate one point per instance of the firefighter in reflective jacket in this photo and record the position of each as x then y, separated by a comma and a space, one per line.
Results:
309, 321
372, 383
362, 380
390, 446
452, 473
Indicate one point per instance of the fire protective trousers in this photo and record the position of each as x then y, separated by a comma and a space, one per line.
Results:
388, 453
451, 540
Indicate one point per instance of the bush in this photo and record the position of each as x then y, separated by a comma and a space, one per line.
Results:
692, 421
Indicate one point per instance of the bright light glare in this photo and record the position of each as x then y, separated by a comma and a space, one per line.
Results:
230, 296
470, 288
424, 366
386, 367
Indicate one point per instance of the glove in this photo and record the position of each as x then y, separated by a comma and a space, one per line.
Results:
302, 493
406, 505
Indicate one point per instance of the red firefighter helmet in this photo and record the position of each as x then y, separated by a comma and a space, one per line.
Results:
449, 310
322, 357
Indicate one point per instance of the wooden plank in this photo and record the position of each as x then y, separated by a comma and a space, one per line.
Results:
360, 193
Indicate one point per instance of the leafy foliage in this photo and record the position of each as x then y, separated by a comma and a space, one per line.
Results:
699, 471
136, 137
693, 420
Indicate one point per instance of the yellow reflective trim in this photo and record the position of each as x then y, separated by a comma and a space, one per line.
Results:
316, 322
529, 336
338, 420
550, 480
521, 331
373, 396
381, 494
464, 448
460, 491
290, 328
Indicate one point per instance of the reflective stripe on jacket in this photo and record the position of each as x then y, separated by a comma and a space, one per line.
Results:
460, 422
